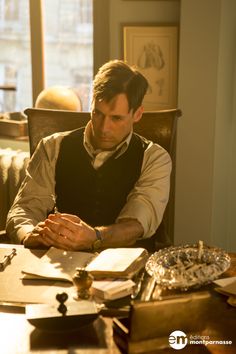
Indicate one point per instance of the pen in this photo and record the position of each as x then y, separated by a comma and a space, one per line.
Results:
55, 209
7, 259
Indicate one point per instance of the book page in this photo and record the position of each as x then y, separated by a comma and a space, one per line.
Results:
115, 259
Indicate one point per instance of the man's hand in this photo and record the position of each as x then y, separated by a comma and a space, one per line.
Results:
34, 238
67, 232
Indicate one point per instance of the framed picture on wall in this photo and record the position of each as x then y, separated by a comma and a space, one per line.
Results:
153, 50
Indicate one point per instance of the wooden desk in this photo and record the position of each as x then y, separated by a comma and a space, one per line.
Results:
18, 336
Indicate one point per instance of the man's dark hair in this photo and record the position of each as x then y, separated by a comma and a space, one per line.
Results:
117, 77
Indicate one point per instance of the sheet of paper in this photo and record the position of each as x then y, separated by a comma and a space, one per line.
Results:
13, 290
58, 264
228, 289
224, 281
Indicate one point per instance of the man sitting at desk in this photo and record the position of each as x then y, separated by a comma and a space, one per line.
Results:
111, 185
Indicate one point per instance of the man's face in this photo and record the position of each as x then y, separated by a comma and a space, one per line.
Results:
112, 122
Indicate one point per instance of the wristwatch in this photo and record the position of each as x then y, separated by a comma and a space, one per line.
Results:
97, 244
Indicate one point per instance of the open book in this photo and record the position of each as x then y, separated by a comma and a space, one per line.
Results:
111, 263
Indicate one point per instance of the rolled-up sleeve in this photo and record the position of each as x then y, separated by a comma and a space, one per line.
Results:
34, 199
148, 199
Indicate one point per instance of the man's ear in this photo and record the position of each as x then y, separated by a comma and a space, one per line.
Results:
138, 114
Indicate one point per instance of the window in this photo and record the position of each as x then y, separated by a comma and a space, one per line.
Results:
68, 27
15, 68
69, 46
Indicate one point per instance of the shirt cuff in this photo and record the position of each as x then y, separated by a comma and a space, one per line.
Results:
23, 231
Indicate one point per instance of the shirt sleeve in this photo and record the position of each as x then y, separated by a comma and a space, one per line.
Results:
148, 199
34, 199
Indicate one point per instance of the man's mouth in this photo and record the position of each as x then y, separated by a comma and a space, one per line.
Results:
104, 138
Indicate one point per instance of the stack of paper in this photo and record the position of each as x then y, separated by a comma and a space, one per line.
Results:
227, 286
112, 289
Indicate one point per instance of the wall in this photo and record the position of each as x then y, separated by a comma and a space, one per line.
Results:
232, 194
204, 177
224, 199
206, 144
138, 12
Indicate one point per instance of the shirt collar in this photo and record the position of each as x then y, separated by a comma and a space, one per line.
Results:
121, 148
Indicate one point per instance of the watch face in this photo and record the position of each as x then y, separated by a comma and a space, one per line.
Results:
97, 244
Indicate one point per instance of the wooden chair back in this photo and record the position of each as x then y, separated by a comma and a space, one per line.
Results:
158, 126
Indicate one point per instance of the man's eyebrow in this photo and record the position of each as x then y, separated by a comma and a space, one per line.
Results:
111, 115
97, 110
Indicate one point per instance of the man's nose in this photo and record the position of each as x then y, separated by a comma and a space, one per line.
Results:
105, 124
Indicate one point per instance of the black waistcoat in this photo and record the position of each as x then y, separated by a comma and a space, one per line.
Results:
96, 196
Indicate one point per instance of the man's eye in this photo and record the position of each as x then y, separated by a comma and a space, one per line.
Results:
116, 118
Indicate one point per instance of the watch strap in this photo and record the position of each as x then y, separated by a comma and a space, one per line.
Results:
98, 234
97, 244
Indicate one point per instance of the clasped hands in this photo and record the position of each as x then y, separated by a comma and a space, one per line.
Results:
65, 231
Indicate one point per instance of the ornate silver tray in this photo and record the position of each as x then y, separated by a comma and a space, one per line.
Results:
187, 266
